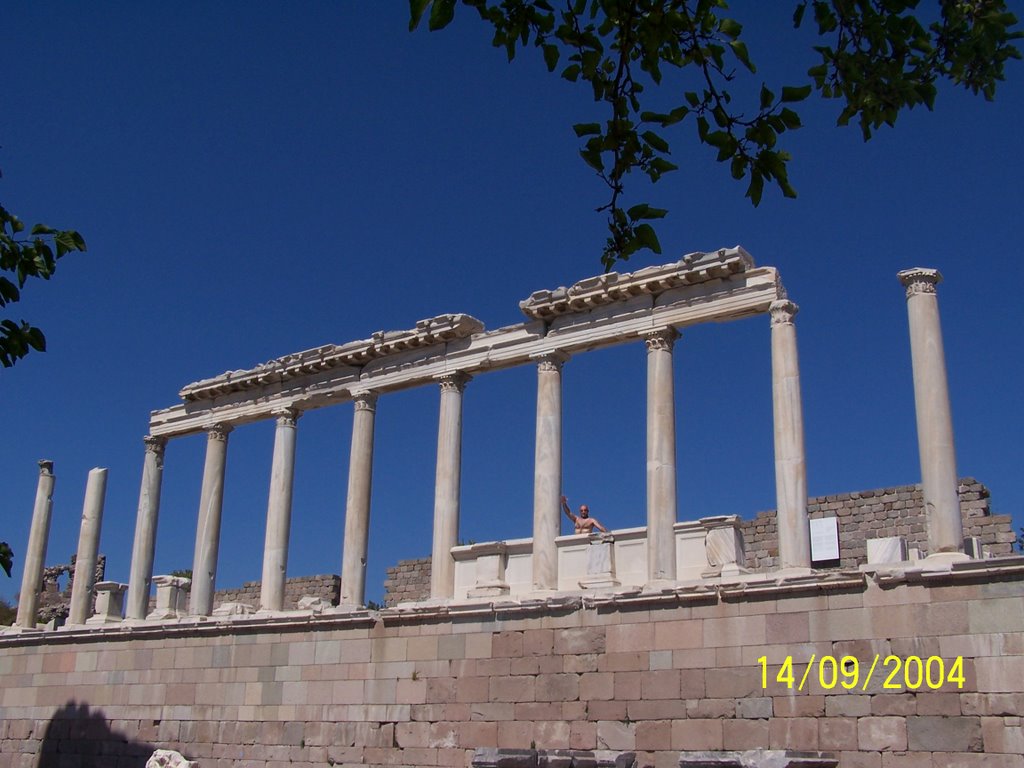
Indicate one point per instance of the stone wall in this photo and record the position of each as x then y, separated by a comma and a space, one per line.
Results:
895, 511
326, 586
407, 581
661, 674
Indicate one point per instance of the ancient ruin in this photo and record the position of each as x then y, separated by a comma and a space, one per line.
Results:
671, 643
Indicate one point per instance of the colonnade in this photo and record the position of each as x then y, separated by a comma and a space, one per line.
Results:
934, 431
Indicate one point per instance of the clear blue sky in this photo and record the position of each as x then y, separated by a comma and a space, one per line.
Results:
257, 180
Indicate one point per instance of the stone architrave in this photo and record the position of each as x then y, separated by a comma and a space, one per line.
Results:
35, 555
144, 547
279, 512
934, 417
88, 547
547, 471
211, 500
790, 461
447, 486
357, 500
661, 456
109, 602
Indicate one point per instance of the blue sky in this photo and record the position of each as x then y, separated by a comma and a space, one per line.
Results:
258, 180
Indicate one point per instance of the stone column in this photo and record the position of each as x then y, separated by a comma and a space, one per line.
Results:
790, 463
279, 512
357, 500
447, 485
211, 499
934, 419
661, 456
88, 547
35, 556
547, 470
141, 576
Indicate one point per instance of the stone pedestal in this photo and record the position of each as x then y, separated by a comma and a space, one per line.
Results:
724, 546
211, 500
171, 598
934, 418
109, 603
279, 512
547, 471
490, 570
447, 486
357, 501
661, 456
600, 563
88, 547
35, 553
144, 547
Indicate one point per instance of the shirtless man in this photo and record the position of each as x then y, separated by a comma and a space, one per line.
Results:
584, 522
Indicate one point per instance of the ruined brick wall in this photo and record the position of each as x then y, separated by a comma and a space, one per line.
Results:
407, 581
661, 676
326, 586
896, 511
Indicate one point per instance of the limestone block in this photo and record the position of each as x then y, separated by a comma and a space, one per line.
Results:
882, 734
314, 603
233, 609
724, 545
758, 758
891, 549
943, 734
168, 758
171, 598
600, 563
109, 602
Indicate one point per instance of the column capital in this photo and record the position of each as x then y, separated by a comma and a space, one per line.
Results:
550, 361
661, 339
453, 382
783, 312
286, 417
919, 280
364, 399
45, 467
218, 432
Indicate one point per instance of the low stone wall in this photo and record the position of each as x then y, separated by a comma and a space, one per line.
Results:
326, 586
407, 581
658, 675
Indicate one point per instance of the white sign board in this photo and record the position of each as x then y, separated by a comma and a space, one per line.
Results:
824, 539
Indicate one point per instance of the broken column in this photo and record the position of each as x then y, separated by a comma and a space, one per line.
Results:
934, 418
35, 555
88, 547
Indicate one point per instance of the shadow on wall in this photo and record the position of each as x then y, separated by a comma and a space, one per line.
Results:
82, 737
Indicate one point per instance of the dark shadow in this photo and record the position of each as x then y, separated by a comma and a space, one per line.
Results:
80, 737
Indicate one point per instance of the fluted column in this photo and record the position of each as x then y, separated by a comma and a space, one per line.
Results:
547, 470
661, 456
140, 577
211, 500
357, 500
35, 555
447, 485
790, 463
279, 512
934, 417
88, 547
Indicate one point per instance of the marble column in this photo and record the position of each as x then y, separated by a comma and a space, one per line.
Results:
934, 418
279, 512
140, 578
661, 456
790, 463
88, 547
447, 485
357, 500
211, 499
547, 471
35, 555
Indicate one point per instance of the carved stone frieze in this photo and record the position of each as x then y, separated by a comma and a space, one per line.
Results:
453, 382
612, 287
919, 280
661, 340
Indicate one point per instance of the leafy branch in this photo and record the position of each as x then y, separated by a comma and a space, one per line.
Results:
878, 58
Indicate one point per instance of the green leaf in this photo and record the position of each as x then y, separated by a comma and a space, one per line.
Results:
655, 141
571, 73
551, 56
416, 9
792, 93
647, 238
767, 97
730, 27
441, 14
739, 49
587, 129
6, 557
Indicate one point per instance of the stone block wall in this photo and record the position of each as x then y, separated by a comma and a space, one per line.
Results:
326, 586
895, 511
407, 581
667, 674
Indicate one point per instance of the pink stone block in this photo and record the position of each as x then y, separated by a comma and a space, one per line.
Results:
882, 733
692, 735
